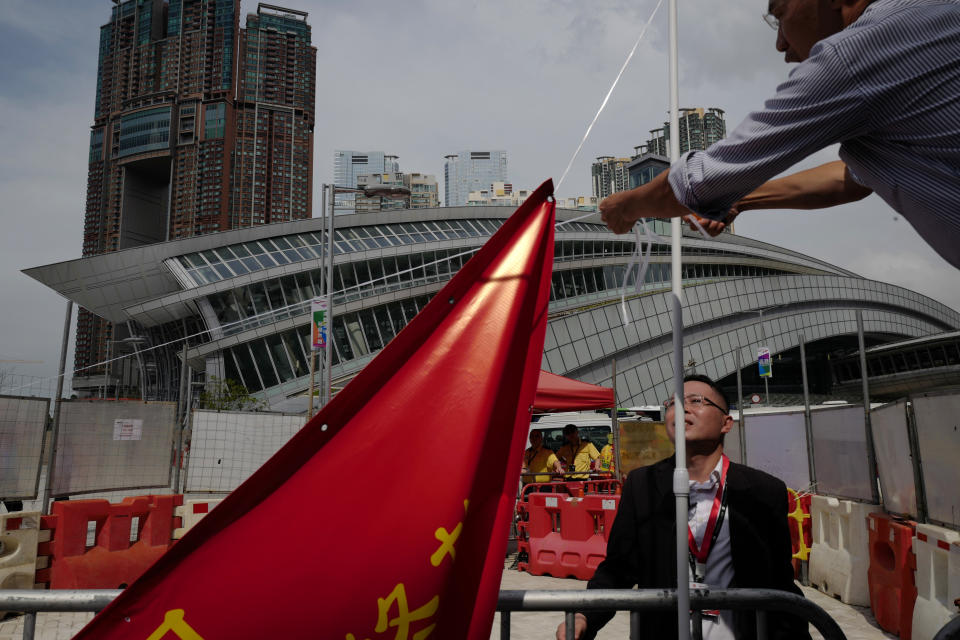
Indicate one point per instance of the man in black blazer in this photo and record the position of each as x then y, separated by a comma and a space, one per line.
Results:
750, 549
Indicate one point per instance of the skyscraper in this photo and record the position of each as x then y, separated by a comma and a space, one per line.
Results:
198, 127
472, 171
699, 128
609, 175
350, 165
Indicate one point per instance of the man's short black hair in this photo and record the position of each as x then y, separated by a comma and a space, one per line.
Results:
697, 377
570, 428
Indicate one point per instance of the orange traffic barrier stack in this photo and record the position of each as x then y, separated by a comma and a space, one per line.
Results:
566, 536
128, 538
893, 590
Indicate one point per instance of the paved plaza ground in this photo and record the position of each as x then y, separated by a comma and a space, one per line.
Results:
856, 622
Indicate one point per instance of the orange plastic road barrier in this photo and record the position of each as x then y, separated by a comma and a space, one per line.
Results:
128, 538
893, 591
801, 529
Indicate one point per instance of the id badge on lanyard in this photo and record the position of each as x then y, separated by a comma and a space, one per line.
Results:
698, 556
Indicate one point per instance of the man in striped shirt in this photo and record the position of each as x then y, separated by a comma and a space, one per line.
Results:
880, 77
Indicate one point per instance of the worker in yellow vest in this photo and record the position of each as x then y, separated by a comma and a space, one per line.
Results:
577, 455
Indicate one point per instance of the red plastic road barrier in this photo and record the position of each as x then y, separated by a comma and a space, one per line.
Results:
113, 561
893, 590
567, 536
602, 486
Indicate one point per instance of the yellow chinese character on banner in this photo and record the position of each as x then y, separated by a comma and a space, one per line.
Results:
404, 616
173, 621
447, 540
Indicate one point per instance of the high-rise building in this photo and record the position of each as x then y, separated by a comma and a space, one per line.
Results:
645, 167
424, 193
199, 126
348, 166
609, 175
699, 128
420, 192
472, 171
368, 204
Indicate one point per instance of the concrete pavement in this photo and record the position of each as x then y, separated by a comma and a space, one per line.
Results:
856, 622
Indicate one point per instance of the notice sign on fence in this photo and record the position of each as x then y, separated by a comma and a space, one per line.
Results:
127, 429
766, 365
318, 308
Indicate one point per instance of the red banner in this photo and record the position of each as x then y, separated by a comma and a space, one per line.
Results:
413, 546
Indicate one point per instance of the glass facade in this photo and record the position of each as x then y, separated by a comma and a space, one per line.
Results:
96, 145
267, 362
281, 357
239, 259
145, 131
215, 121
263, 303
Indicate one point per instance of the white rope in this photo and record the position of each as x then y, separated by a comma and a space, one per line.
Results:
640, 259
607, 97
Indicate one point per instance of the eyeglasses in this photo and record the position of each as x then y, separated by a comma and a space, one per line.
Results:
772, 21
694, 401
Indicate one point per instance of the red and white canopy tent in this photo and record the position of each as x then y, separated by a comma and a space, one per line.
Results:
556, 393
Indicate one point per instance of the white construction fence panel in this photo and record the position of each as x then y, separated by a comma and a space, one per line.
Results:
938, 431
777, 444
891, 439
22, 424
106, 446
731, 443
228, 446
840, 452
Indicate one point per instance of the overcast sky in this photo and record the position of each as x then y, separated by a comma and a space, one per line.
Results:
422, 79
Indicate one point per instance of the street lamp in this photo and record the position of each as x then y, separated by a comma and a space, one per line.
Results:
330, 192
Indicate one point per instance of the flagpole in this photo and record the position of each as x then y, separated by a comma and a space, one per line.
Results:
681, 484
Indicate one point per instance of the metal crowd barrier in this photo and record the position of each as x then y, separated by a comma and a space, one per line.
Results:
761, 600
949, 631
637, 600
32, 601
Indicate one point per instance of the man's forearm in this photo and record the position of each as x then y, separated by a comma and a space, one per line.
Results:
652, 200
825, 186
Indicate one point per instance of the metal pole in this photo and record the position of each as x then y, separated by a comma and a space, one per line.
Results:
615, 424
871, 452
323, 284
182, 420
766, 380
807, 422
681, 477
740, 409
29, 625
187, 422
328, 365
918, 481
55, 433
313, 359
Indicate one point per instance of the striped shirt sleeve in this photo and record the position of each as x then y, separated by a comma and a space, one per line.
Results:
820, 104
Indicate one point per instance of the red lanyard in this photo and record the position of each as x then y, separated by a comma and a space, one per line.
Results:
716, 519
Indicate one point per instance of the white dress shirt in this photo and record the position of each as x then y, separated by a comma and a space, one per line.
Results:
719, 571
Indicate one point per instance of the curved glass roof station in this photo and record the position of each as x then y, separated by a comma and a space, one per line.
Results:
251, 290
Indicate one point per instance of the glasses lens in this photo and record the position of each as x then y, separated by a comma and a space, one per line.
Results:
771, 21
693, 400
